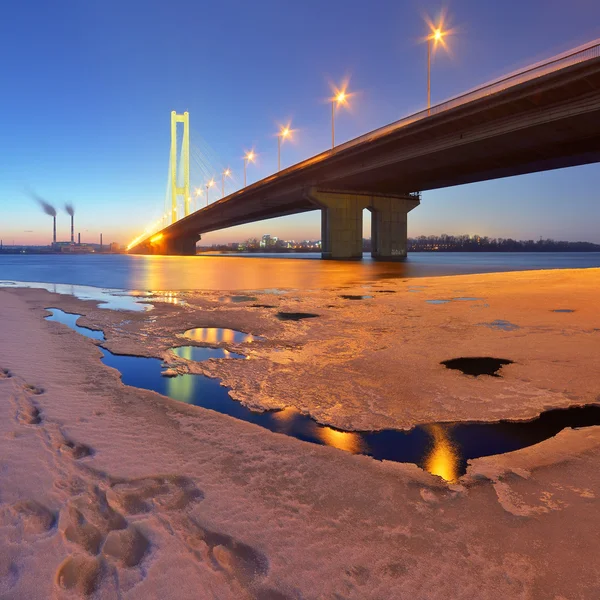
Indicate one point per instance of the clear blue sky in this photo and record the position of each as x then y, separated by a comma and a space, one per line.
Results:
88, 87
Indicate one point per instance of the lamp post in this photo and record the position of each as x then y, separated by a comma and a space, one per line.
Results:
225, 173
250, 156
283, 133
437, 36
208, 186
340, 98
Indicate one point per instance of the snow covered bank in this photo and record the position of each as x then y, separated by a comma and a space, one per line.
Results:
116, 492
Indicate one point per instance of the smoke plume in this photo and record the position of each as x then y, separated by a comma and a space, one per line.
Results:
70, 209
46, 206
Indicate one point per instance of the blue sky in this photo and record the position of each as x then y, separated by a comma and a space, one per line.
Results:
88, 88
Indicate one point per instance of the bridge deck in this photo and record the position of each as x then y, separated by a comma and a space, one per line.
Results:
544, 118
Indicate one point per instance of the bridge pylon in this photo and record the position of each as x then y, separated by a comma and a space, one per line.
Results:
185, 157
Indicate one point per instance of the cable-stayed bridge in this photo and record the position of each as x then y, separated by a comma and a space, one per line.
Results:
544, 117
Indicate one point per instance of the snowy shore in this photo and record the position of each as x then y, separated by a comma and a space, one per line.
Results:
113, 492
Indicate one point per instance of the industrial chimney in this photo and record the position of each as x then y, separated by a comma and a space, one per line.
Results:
101, 245
79, 239
49, 210
71, 211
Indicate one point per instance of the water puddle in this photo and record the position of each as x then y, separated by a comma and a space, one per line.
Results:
563, 310
295, 316
353, 297
477, 365
438, 301
443, 449
70, 320
107, 298
200, 354
216, 335
501, 325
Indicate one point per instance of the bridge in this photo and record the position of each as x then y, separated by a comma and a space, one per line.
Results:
544, 117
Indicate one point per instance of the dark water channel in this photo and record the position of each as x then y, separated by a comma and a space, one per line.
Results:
440, 448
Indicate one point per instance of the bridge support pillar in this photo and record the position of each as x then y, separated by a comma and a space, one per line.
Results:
342, 223
389, 217
179, 246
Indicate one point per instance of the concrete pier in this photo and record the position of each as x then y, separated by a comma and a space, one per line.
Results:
342, 223
172, 245
389, 216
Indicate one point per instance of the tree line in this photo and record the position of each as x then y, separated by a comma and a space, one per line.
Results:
476, 243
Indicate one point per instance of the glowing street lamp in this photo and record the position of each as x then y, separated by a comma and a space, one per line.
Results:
208, 186
340, 98
225, 173
249, 157
437, 37
284, 132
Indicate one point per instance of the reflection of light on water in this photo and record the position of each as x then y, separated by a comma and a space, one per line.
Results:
181, 388
285, 415
343, 440
215, 335
443, 458
184, 352
168, 298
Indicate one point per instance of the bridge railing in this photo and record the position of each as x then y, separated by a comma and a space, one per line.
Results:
581, 54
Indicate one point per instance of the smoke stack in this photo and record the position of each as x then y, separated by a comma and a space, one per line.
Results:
71, 211
101, 242
79, 238
48, 209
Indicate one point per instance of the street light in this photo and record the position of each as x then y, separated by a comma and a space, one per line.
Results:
225, 173
208, 186
437, 36
338, 99
284, 132
249, 157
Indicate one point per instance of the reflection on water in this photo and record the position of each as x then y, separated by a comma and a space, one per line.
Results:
199, 354
167, 298
216, 335
443, 460
276, 273
443, 449
350, 441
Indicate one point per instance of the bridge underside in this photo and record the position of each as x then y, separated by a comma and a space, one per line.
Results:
341, 226
550, 122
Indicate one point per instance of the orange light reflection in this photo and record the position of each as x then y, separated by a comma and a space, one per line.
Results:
443, 459
343, 440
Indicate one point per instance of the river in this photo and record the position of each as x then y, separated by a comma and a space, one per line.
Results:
252, 272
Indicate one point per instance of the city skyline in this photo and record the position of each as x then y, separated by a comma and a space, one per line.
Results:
113, 167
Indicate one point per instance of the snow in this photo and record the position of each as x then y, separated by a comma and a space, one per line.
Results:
113, 492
